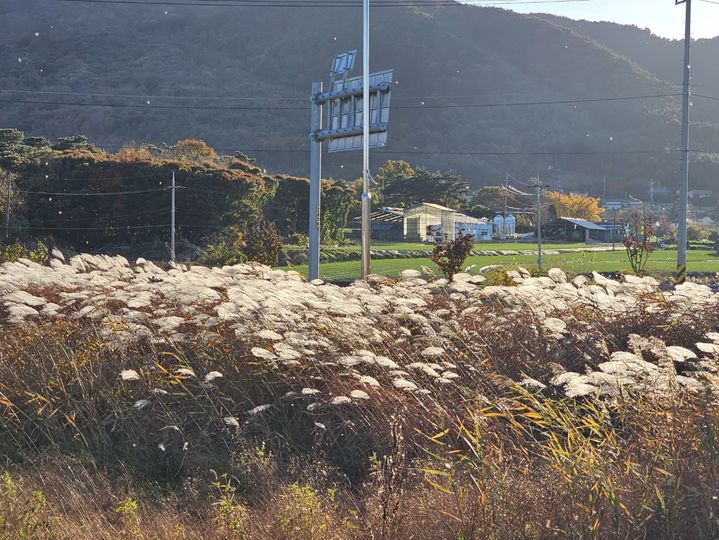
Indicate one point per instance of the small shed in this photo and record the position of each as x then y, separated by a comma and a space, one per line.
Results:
570, 229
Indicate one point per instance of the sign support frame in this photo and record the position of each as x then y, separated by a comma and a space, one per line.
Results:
681, 274
366, 120
315, 183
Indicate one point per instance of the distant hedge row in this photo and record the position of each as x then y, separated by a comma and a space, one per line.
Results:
87, 198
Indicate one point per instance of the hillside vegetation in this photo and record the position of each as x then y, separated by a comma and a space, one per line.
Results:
74, 194
442, 56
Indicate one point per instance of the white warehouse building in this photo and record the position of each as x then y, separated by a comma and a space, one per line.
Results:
479, 229
428, 222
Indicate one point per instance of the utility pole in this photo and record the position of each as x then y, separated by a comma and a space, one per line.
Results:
538, 185
504, 216
315, 184
684, 177
172, 222
8, 201
604, 193
366, 113
651, 197
614, 230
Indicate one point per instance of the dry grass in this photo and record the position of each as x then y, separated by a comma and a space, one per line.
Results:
171, 455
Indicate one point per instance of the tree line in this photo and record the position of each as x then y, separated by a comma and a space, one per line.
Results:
77, 195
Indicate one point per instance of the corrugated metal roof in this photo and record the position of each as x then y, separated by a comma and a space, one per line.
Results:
584, 223
435, 206
383, 216
463, 218
391, 210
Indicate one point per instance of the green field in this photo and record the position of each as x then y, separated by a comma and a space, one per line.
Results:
479, 246
418, 246
660, 262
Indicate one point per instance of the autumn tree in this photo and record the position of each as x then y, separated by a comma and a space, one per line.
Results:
130, 153
575, 206
193, 150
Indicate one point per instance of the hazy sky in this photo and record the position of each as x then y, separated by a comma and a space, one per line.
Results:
661, 16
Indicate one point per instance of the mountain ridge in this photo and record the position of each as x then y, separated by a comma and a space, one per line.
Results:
489, 56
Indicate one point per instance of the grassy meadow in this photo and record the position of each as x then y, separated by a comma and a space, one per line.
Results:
660, 262
244, 403
422, 246
209, 439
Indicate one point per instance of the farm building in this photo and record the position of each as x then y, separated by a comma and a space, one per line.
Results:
429, 222
419, 220
575, 230
478, 228
387, 224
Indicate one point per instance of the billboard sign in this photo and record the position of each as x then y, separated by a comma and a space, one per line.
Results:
346, 109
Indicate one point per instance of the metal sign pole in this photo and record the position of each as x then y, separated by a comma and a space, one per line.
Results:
366, 113
345, 133
538, 184
684, 178
539, 223
8, 202
172, 225
503, 233
315, 183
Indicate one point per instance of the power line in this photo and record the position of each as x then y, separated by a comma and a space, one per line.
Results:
97, 194
319, 4
525, 184
100, 179
202, 190
548, 102
117, 228
380, 3
236, 98
712, 98
305, 108
499, 153
151, 106
151, 96
111, 217
446, 153
536, 153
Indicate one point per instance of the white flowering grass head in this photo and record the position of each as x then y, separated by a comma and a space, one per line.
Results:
129, 375
213, 375
185, 372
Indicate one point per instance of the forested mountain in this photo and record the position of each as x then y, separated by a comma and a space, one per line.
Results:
660, 56
248, 71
